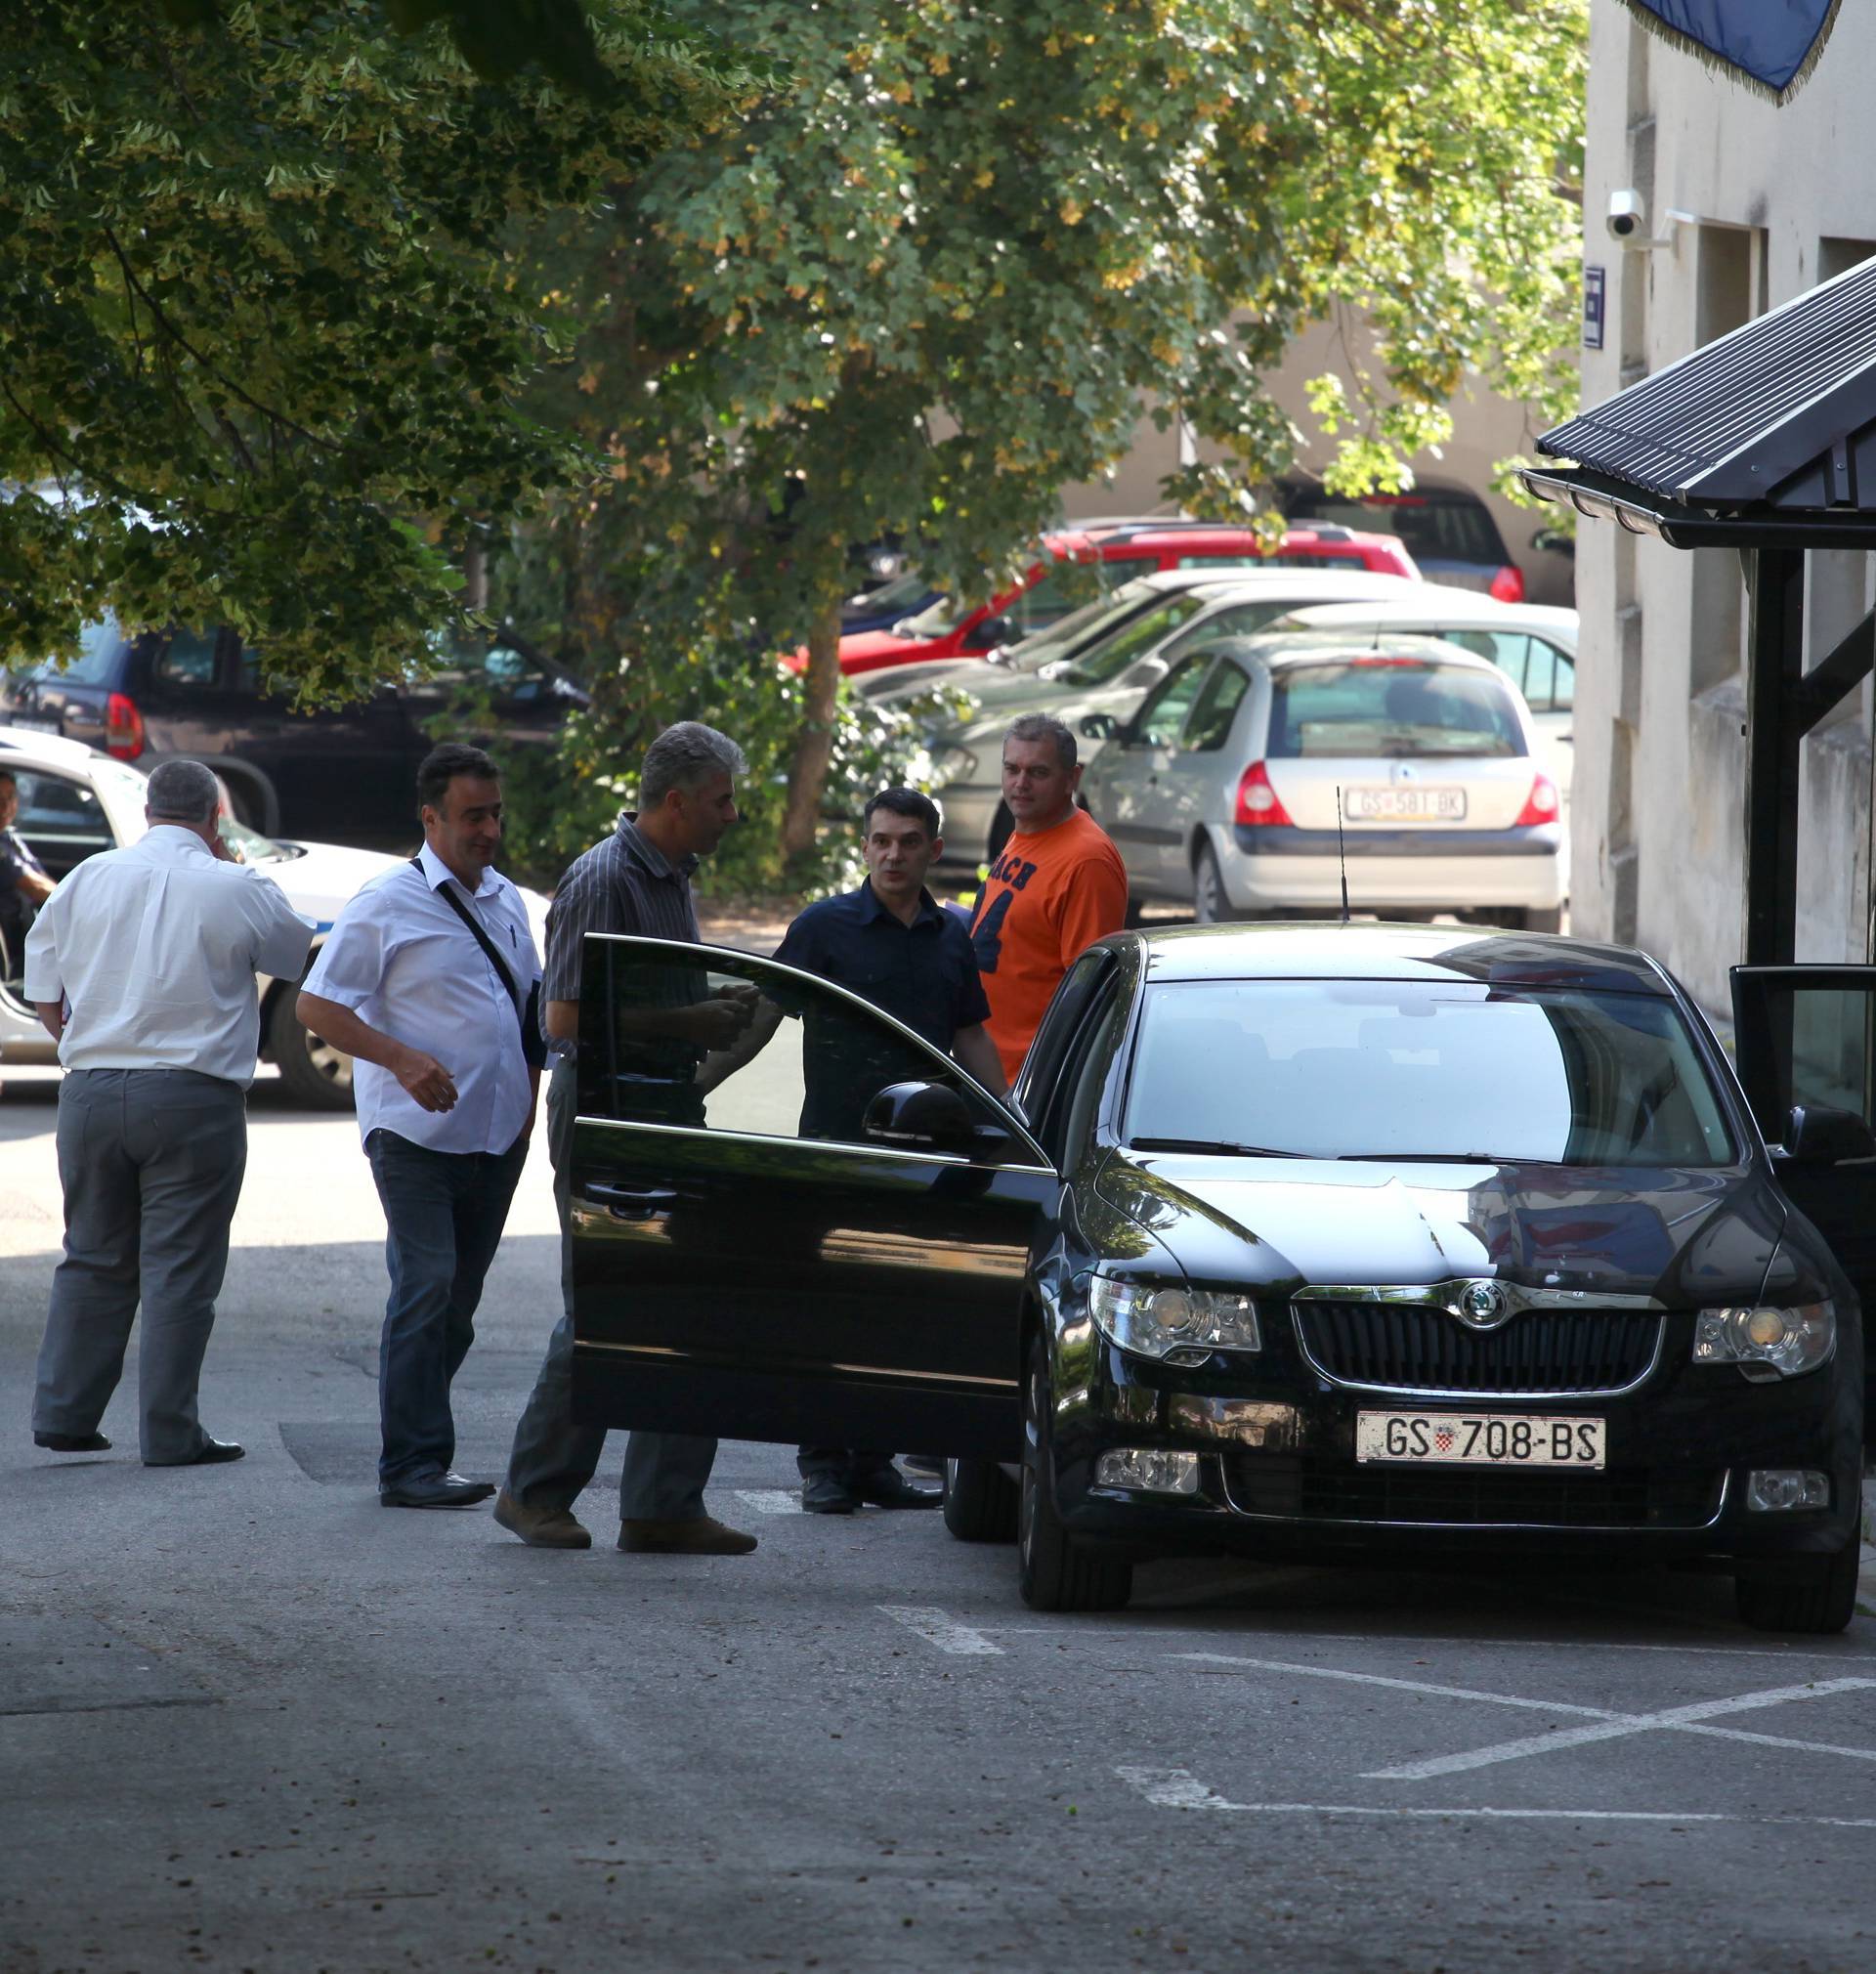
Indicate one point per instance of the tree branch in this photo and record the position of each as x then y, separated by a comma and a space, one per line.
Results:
58, 451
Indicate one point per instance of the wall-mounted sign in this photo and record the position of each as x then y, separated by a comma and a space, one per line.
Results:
1595, 284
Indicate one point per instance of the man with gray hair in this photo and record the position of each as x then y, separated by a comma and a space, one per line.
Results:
636, 881
141, 965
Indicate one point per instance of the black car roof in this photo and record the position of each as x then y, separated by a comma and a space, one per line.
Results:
1365, 951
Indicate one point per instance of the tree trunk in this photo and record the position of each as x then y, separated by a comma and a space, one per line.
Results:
814, 744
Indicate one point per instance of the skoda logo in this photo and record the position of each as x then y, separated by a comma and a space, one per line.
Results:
1483, 1306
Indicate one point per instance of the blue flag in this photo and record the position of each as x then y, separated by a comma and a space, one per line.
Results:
1772, 44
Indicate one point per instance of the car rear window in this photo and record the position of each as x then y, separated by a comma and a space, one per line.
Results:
93, 659
1412, 1069
1384, 706
1434, 528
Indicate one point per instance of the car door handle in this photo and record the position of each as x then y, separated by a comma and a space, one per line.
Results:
640, 1199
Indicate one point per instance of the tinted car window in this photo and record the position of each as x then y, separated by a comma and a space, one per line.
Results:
186, 661
94, 660
1368, 706
1107, 660
61, 818
1435, 527
1210, 726
1164, 715
1332, 1069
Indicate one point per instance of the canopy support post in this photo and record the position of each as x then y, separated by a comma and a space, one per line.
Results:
1775, 726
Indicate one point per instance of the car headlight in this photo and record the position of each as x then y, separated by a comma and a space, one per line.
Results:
1169, 1319
1766, 1342
951, 764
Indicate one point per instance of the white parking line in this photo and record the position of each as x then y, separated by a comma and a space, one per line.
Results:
1609, 1724
1181, 1790
770, 1500
1621, 1724
936, 1628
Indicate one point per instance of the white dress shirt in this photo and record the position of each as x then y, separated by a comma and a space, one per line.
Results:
153, 952
407, 966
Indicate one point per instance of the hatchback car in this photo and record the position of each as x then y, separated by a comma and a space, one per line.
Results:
1293, 1240
1447, 529
287, 770
76, 800
1081, 565
1290, 772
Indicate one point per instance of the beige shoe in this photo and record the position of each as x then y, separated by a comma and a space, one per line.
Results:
704, 1536
540, 1527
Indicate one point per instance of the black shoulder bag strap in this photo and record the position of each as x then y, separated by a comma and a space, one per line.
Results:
534, 1046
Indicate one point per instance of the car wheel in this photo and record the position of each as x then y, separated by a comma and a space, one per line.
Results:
1820, 1598
1059, 1572
980, 1501
1002, 826
315, 1074
1210, 905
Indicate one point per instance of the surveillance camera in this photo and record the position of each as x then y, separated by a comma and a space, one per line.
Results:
1627, 217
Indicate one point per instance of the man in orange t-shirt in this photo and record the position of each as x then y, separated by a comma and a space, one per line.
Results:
1059, 886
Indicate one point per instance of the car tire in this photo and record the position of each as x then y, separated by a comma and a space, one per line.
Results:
1002, 826
981, 1501
1059, 1572
1210, 905
316, 1075
1823, 1598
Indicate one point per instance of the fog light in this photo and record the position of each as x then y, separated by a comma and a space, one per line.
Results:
1147, 1470
1772, 1489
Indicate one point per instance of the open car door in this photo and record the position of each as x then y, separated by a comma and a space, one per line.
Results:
1806, 1046
764, 1246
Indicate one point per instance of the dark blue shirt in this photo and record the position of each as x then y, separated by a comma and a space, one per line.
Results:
923, 974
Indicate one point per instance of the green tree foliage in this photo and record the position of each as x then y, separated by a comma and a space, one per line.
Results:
259, 349
937, 274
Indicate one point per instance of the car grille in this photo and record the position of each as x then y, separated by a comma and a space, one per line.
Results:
1478, 1498
1401, 1348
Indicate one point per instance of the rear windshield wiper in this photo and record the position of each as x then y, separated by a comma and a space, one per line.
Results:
1212, 1144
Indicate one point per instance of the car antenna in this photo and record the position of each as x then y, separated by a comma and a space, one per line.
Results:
1341, 855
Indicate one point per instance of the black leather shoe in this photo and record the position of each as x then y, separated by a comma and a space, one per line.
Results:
72, 1443
213, 1452
828, 1494
889, 1488
434, 1490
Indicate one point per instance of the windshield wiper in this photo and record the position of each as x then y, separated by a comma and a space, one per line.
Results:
1211, 1144
1440, 1158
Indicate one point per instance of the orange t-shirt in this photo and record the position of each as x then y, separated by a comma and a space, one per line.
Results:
1046, 898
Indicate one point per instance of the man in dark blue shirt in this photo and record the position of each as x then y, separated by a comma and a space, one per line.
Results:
890, 943
24, 883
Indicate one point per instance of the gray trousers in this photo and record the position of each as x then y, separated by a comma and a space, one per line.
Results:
553, 1458
150, 1161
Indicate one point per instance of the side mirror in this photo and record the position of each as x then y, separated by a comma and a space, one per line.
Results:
1099, 726
1817, 1134
919, 1117
993, 632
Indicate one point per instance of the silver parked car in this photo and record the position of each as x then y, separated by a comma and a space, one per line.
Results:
1257, 767
1150, 626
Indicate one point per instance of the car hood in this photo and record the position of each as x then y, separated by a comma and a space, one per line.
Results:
875, 645
1686, 1237
323, 877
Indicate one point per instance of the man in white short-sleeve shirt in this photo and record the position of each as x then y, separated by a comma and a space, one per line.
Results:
141, 965
430, 982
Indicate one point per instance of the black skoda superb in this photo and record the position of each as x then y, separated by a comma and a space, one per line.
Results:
1294, 1239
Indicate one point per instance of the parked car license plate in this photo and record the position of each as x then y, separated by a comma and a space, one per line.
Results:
1479, 1440
32, 722
1405, 805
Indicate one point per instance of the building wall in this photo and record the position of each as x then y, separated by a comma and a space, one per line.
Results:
1779, 199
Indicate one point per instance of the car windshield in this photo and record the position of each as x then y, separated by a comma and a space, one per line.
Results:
1381, 703
254, 848
901, 593
1079, 627
1412, 1070
1111, 657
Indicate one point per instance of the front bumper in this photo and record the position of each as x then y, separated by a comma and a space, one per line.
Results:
1277, 1472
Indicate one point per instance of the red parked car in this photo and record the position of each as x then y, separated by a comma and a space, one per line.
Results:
1074, 571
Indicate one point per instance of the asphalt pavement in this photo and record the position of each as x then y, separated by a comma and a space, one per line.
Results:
250, 1719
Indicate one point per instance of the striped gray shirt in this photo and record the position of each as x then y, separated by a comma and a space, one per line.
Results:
624, 884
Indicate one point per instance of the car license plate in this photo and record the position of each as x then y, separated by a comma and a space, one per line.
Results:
1479, 1440
32, 722
1405, 805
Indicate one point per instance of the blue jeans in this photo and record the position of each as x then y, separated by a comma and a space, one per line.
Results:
443, 1215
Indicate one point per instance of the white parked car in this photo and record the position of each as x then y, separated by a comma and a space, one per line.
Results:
1258, 768
1533, 644
75, 801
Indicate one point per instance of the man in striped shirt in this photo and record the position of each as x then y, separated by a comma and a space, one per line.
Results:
637, 880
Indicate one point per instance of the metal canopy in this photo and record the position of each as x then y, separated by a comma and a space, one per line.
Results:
1764, 441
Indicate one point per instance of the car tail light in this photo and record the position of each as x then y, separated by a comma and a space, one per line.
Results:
1508, 585
1540, 805
1257, 804
123, 727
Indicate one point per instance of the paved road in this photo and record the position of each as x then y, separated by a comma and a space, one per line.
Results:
250, 1720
